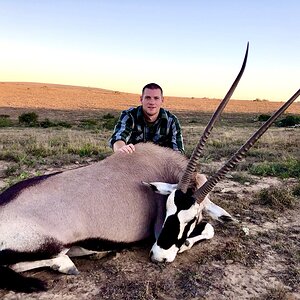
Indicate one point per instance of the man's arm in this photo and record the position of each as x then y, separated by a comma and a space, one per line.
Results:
122, 134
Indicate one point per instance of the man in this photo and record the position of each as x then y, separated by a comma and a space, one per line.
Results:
148, 122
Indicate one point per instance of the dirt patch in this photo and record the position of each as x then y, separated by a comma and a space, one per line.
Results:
255, 258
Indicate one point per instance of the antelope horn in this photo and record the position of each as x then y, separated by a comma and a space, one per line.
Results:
202, 192
185, 179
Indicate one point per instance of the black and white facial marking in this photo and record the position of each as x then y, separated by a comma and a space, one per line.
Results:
181, 219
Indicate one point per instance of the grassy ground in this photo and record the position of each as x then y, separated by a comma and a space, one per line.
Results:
257, 258
76, 137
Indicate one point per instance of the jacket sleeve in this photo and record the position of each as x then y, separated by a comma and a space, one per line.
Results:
123, 129
177, 140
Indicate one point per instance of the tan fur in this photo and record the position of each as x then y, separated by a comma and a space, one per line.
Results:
104, 200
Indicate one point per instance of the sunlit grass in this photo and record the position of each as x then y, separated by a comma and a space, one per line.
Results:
36, 149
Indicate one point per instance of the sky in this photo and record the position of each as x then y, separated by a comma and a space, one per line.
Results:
191, 48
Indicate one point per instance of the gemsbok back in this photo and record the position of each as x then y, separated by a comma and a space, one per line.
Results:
48, 219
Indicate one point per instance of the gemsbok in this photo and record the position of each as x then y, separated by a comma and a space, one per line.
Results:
48, 219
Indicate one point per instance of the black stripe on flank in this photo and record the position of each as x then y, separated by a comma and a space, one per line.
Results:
13, 191
48, 249
98, 244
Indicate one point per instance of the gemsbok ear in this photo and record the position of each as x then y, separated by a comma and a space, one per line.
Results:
161, 187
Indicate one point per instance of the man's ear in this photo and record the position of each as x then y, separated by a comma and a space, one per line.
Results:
161, 187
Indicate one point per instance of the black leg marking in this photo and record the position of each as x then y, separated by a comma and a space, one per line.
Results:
198, 229
225, 218
11, 280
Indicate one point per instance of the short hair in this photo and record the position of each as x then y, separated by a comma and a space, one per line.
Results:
152, 86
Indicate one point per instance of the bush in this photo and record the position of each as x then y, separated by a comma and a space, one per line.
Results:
285, 169
64, 124
29, 119
109, 124
263, 118
108, 116
88, 124
288, 121
296, 190
47, 123
5, 121
109, 121
276, 198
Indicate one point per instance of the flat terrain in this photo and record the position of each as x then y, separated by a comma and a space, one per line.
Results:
50, 96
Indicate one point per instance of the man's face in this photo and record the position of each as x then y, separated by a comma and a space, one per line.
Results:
151, 100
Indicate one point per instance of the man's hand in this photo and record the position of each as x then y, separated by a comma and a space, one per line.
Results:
127, 148
120, 146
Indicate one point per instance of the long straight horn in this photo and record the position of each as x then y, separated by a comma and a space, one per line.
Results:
185, 179
202, 192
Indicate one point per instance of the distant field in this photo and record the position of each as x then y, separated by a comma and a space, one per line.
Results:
52, 96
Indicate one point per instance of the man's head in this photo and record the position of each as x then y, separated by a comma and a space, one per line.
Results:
151, 99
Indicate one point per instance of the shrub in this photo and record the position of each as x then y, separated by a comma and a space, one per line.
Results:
64, 124
88, 124
288, 121
109, 124
108, 116
47, 123
29, 119
284, 169
241, 178
263, 118
5, 121
276, 198
296, 190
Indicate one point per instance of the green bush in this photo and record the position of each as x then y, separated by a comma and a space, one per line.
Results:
263, 118
88, 124
5, 121
47, 123
108, 116
109, 124
284, 169
288, 121
276, 198
29, 119
296, 190
64, 124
